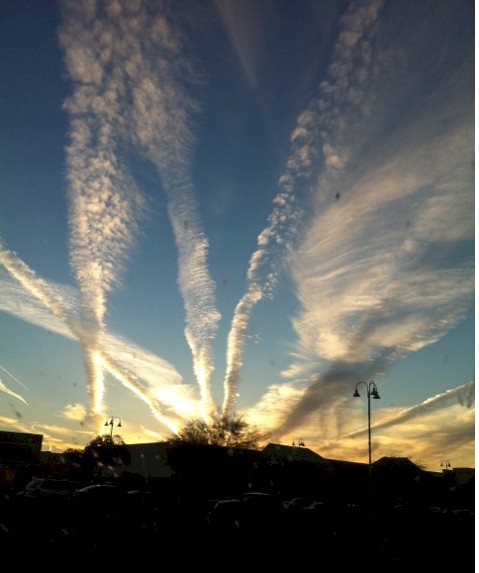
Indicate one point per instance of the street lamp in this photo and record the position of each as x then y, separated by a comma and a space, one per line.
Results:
110, 422
372, 390
446, 464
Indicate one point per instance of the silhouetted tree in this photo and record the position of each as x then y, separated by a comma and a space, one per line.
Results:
224, 451
73, 459
229, 432
73, 455
105, 452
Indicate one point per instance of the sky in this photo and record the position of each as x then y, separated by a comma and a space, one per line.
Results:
242, 208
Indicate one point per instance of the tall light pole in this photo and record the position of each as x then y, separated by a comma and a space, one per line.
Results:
371, 390
110, 422
446, 464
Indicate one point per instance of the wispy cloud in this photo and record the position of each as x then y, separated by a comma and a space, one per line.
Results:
273, 243
54, 307
128, 71
379, 271
7, 390
338, 429
372, 218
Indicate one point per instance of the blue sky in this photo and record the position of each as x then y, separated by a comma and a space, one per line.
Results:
243, 207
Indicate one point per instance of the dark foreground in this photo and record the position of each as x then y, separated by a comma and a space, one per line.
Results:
144, 531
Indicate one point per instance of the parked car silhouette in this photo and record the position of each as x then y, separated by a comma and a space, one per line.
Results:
98, 499
226, 515
262, 502
47, 487
296, 503
262, 511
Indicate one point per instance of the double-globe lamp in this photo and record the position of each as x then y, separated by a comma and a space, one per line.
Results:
110, 421
371, 390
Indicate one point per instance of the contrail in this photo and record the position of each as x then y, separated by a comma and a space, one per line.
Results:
380, 272
131, 382
455, 395
197, 289
4, 388
52, 298
283, 222
104, 203
40, 290
17, 299
36, 286
162, 113
14, 377
128, 70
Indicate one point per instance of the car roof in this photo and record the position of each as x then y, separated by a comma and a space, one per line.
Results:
97, 486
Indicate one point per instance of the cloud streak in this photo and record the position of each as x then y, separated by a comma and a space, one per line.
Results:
55, 307
380, 270
463, 395
373, 218
127, 70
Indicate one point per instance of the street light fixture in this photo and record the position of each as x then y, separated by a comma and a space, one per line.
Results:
110, 422
371, 390
446, 464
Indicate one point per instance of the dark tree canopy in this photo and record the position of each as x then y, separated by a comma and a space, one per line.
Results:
73, 455
107, 451
230, 432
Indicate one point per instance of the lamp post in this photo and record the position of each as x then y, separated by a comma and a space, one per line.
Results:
446, 464
110, 422
371, 390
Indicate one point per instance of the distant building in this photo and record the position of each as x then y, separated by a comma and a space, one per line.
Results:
287, 470
20, 448
19, 452
463, 476
280, 452
150, 460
